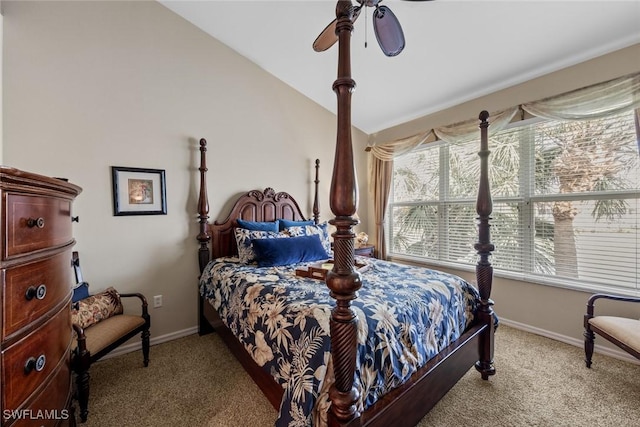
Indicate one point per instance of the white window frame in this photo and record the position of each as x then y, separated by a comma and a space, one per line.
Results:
527, 199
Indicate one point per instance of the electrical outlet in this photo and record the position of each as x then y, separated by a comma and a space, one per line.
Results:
157, 301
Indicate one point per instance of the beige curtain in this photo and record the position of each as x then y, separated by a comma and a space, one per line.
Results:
388, 151
592, 102
458, 132
380, 179
469, 130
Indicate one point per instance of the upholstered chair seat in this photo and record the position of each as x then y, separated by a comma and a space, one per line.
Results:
100, 335
624, 332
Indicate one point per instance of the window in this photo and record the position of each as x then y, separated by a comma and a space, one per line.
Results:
566, 203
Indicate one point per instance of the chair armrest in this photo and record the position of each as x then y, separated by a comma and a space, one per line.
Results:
79, 332
145, 306
592, 300
82, 353
137, 295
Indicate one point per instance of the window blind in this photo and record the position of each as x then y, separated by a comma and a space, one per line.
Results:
566, 202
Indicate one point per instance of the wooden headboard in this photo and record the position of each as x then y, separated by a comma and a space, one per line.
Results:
256, 205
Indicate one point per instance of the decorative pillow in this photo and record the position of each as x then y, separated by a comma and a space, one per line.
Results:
286, 223
271, 252
259, 226
95, 308
243, 241
322, 230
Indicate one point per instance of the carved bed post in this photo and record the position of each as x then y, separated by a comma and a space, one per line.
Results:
316, 206
203, 208
203, 237
484, 247
343, 280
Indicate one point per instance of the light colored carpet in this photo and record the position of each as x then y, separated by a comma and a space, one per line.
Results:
195, 381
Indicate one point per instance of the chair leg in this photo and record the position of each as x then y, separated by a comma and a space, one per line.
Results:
72, 414
145, 346
82, 381
589, 337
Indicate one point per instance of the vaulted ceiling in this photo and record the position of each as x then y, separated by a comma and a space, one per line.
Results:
456, 50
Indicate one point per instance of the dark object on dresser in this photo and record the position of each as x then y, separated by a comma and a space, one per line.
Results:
98, 339
621, 331
35, 263
365, 250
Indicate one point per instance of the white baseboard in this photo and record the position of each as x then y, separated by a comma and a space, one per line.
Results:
617, 354
135, 346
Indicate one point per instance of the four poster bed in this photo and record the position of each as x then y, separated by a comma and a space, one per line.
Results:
384, 343
277, 322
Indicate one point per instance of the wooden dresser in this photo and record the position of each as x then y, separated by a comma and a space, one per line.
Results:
37, 281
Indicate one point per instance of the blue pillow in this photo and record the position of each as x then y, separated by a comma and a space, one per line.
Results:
286, 223
80, 292
272, 252
321, 230
258, 226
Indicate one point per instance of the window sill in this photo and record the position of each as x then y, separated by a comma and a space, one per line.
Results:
538, 280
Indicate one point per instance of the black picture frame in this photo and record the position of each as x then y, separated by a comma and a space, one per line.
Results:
138, 191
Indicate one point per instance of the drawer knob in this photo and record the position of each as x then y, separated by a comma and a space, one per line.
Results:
35, 363
38, 222
75, 219
38, 292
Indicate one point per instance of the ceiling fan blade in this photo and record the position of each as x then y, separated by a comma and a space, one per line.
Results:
328, 36
388, 31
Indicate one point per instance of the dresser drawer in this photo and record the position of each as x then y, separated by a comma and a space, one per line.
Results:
44, 408
46, 346
51, 281
35, 222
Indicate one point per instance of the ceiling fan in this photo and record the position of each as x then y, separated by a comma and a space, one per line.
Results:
385, 26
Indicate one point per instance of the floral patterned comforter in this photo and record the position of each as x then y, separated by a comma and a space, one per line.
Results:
406, 315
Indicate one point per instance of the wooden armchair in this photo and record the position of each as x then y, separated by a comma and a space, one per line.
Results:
621, 331
106, 329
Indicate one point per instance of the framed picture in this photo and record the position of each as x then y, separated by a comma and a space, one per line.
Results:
138, 191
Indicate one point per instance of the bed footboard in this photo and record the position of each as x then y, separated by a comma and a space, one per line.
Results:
406, 405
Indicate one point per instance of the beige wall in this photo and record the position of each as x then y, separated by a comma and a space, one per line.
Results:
549, 310
89, 85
